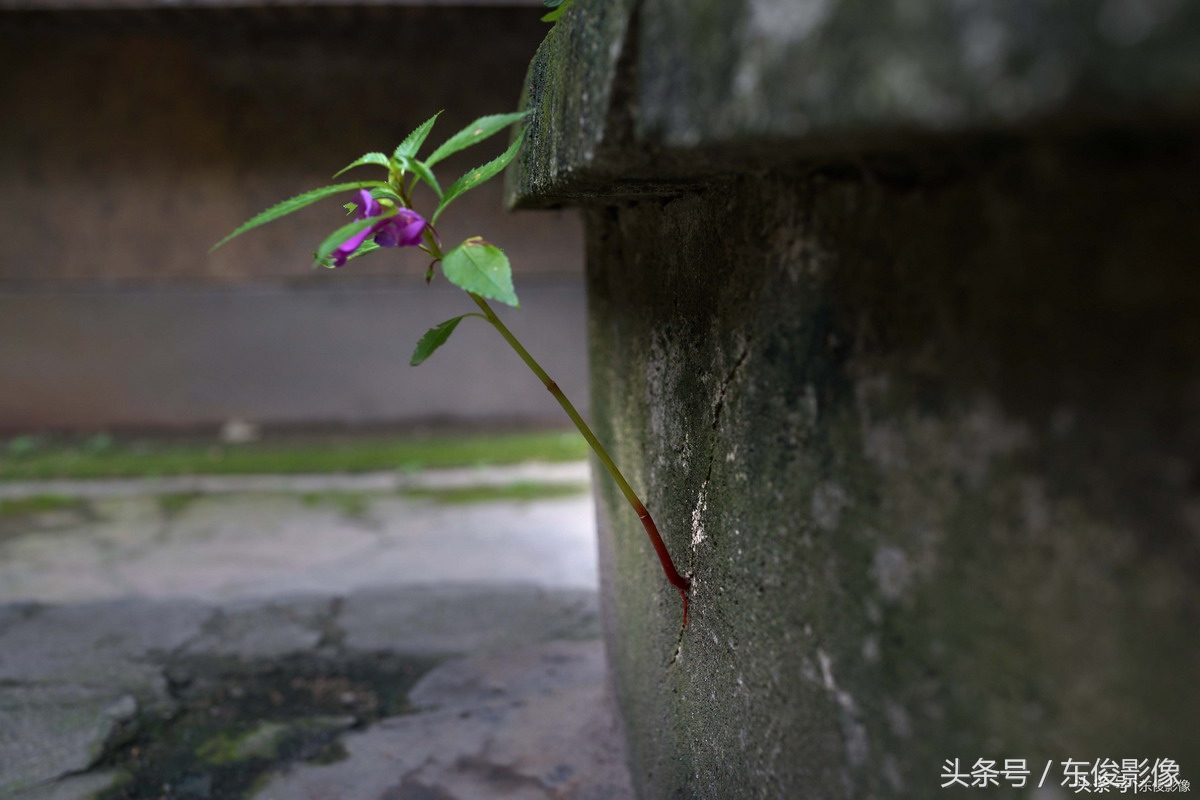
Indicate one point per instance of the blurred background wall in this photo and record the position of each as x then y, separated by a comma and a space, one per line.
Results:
136, 137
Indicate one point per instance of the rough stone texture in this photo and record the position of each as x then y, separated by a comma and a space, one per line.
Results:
571, 136
540, 726
48, 731
230, 548
72, 678
432, 620
79, 787
254, 629
64, 645
917, 406
251, 651
849, 72
528, 712
632, 98
930, 454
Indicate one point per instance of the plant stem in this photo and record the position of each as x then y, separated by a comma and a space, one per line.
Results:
660, 548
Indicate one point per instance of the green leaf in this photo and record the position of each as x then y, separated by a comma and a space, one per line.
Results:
421, 171
557, 12
434, 338
478, 175
481, 268
369, 158
363, 249
342, 234
295, 204
559, 6
474, 133
385, 192
412, 143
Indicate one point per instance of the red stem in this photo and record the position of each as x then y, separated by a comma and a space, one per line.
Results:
660, 548
664, 557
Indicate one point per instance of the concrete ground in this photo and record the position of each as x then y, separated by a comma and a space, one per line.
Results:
431, 637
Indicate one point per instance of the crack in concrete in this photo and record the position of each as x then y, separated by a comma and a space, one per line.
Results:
718, 408
719, 405
678, 648
698, 532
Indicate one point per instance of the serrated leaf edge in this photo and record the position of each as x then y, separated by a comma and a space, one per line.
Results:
467, 137
412, 143
364, 160
309, 197
464, 184
418, 359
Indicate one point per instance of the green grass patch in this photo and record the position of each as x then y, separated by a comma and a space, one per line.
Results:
46, 460
349, 504
488, 494
39, 504
172, 505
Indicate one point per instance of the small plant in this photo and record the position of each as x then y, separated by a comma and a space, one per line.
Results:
384, 217
560, 7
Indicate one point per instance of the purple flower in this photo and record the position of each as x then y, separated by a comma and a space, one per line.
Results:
402, 229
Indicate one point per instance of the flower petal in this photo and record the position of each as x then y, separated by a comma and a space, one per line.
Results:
368, 206
404, 229
347, 247
410, 234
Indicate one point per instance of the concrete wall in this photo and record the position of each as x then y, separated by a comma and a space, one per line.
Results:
135, 139
920, 418
929, 454
164, 357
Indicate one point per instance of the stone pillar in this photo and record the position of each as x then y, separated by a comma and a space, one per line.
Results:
895, 323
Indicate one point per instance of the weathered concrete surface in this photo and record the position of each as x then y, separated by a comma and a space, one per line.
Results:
72, 677
538, 725
286, 535
895, 319
854, 72
532, 718
76, 787
240, 635
930, 454
632, 98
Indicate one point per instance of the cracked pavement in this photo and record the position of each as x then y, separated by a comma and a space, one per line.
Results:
258, 644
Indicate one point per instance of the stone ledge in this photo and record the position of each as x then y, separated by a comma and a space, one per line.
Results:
629, 96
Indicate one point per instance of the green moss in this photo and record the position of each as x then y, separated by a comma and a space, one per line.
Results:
262, 741
350, 504
239, 725
39, 504
221, 748
134, 459
486, 494
172, 505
